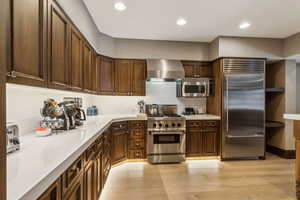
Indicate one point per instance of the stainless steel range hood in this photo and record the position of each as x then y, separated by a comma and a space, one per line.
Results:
163, 69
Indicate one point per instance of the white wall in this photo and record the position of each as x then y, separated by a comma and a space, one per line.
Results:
292, 45
298, 88
250, 47
127, 48
80, 16
213, 49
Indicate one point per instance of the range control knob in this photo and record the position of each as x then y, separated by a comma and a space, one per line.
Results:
154, 125
178, 124
167, 125
160, 124
173, 124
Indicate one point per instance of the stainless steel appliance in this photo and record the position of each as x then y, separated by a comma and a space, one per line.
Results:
243, 133
195, 87
80, 115
166, 136
12, 137
163, 69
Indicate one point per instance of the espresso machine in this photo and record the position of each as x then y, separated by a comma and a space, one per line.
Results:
80, 116
56, 116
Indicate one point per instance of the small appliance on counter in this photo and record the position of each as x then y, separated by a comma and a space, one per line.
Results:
12, 137
189, 111
57, 116
80, 116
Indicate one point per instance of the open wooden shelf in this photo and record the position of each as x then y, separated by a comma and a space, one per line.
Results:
274, 124
275, 90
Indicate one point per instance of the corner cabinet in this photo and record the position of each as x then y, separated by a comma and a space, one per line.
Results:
29, 43
106, 75
57, 47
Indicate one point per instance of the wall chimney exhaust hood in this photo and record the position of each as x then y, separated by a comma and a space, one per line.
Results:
164, 70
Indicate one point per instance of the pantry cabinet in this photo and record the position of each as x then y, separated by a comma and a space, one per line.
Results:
76, 67
197, 69
106, 75
28, 43
57, 47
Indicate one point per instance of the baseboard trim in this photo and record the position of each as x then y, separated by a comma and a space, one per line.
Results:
288, 154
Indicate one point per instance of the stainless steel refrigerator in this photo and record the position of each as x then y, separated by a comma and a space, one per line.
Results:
243, 129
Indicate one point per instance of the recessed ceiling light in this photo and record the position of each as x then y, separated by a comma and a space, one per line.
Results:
181, 21
245, 25
120, 6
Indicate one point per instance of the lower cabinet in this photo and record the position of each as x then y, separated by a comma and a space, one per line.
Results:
77, 191
136, 140
119, 142
53, 193
203, 138
90, 181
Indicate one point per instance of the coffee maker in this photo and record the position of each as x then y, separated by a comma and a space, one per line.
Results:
71, 111
80, 116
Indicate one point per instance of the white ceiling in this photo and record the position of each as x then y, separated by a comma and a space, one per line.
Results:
207, 19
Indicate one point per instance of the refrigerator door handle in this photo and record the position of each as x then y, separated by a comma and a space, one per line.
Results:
246, 136
227, 104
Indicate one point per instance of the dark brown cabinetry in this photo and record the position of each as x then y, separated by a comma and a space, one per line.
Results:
136, 140
29, 42
123, 74
90, 181
119, 141
139, 78
87, 68
94, 74
197, 69
77, 191
130, 77
76, 69
202, 138
53, 193
106, 78
57, 47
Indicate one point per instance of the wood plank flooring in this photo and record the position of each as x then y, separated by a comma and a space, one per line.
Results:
270, 179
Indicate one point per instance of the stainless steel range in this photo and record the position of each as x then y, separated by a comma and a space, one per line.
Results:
166, 135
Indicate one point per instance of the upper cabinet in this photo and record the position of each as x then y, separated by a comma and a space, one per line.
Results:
94, 74
76, 69
123, 73
28, 64
87, 67
197, 69
105, 68
130, 77
139, 78
57, 47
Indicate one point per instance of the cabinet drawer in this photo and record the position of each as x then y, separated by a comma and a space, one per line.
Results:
71, 174
210, 125
195, 124
117, 126
136, 124
136, 143
136, 154
137, 133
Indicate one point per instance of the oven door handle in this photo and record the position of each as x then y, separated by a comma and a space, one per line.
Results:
167, 133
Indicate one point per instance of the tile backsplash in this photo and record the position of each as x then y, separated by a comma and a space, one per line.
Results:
24, 102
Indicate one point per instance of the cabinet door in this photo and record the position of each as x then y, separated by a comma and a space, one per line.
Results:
99, 174
76, 72
58, 47
123, 72
203, 69
28, 43
94, 74
119, 147
53, 193
138, 78
87, 67
89, 181
189, 70
106, 76
194, 143
210, 144
77, 192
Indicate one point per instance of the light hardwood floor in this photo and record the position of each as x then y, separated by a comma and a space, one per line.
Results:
271, 179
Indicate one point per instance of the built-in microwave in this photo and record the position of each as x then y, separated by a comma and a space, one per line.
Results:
195, 87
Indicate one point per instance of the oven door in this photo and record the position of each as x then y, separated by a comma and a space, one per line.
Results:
194, 89
166, 142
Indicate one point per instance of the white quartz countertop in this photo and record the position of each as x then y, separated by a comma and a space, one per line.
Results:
292, 116
202, 117
42, 160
